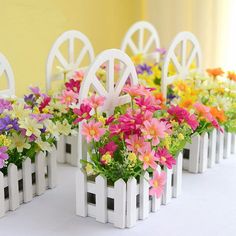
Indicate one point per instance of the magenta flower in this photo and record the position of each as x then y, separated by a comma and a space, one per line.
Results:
3, 156
147, 103
164, 157
83, 113
73, 85
114, 129
44, 103
157, 184
147, 156
109, 120
108, 148
192, 121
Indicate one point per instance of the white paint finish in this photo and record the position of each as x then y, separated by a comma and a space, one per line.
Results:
120, 204
203, 153
101, 199
227, 144
194, 154
13, 188
74, 60
139, 47
27, 180
219, 146
167, 194
81, 193
183, 66
233, 143
2, 197
61, 149
131, 202
144, 196
177, 176
212, 149
7, 70
156, 204
52, 168
40, 173
72, 158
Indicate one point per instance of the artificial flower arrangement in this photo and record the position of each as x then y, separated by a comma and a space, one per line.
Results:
24, 131
136, 138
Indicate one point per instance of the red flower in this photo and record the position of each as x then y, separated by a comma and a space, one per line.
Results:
164, 157
44, 103
109, 120
108, 148
73, 85
83, 113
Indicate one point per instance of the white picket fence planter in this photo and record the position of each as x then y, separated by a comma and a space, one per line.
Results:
227, 144
219, 146
67, 150
21, 185
212, 148
195, 158
233, 144
124, 203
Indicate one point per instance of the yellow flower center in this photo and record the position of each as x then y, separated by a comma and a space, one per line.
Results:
163, 158
92, 132
146, 158
155, 183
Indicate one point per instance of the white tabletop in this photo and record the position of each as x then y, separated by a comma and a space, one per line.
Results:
207, 207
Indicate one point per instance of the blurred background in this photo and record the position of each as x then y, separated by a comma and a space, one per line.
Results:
28, 28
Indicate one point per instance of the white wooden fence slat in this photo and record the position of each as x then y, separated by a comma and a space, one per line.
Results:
212, 149
13, 187
144, 196
194, 154
227, 145
120, 203
177, 176
2, 197
27, 180
203, 153
167, 194
40, 173
101, 199
52, 169
131, 202
74, 151
233, 144
61, 149
156, 203
81, 193
219, 146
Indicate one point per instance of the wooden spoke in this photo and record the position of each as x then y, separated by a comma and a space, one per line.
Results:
133, 47
110, 76
99, 87
122, 81
81, 56
62, 60
148, 44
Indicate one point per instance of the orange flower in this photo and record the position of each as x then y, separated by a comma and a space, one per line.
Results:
231, 75
160, 97
215, 72
218, 114
187, 103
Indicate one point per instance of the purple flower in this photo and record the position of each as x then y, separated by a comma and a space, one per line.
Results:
35, 91
7, 124
144, 68
41, 117
30, 99
3, 156
162, 51
4, 105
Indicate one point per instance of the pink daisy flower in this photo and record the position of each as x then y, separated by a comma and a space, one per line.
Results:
83, 113
93, 130
95, 101
164, 157
134, 143
147, 103
157, 184
147, 156
78, 75
68, 97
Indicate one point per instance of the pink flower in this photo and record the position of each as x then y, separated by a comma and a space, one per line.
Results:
108, 148
164, 157
78, 75
114, 129
147, 156
147, 103
68, 97
134, 143
73, 85
109, 120
147, 115
95, 101
136, 90
83, 113
92, 130
44, 103
3, 156
157, 184
192, 121
154, 130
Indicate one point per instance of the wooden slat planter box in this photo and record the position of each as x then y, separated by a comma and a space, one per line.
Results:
21, 185
195, 155
124, 203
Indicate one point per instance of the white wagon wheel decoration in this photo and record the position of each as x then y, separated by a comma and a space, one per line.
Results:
112, 91
74, 61
140, 46
6, 68
181, 62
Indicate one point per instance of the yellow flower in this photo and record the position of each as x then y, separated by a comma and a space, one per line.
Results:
4, 141
51, 128
102, 119
137, 59
19, 111
36, 110
132, 157
89, 169
18, 142
181, 136
106, 158
156, 71
64, 127
31, 126
45, 146
171, 69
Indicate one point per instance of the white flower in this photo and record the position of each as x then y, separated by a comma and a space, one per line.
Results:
31, 126
45, 146
18, 142
51, 128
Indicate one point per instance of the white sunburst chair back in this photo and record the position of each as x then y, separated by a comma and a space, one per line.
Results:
73, 62
183, 61
142, 45
112, 91
5, 69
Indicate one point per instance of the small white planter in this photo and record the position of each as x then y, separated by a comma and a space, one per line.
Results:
21, 185
219, 146
67, 150
212, 148
233, 144
124, 203
196, 154
227, 144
